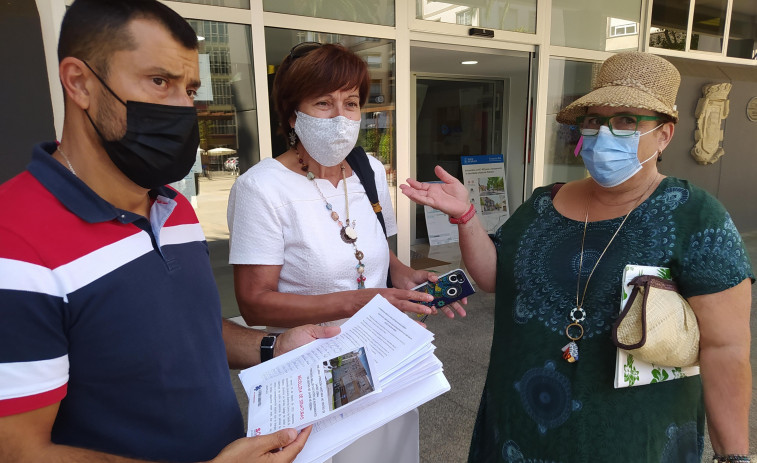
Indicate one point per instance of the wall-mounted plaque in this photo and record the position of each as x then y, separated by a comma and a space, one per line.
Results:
751, 109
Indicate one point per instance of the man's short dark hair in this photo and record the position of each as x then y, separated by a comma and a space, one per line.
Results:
93, 30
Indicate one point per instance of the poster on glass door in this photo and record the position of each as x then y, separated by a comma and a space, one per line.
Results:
484, 176
440, 231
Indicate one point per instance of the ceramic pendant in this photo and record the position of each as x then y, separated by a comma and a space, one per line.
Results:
570, 352
348, 235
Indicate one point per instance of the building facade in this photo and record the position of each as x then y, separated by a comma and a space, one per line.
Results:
465, 77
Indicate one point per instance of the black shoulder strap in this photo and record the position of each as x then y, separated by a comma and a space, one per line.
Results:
361, 165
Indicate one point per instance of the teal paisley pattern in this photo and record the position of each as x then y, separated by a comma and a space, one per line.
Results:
684, 444
512, 454
546, 397
536, 407
547, 263
717, 253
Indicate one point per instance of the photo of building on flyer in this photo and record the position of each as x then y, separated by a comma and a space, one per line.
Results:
349, 377
492, 194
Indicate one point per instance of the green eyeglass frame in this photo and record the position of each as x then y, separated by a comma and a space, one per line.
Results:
620, 125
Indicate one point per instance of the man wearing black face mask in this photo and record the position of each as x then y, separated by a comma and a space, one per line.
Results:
112, 346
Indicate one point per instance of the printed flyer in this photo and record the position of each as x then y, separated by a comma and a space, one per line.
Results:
484, 176
307, 394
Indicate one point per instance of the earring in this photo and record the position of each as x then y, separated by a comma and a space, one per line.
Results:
292, 138
659, 157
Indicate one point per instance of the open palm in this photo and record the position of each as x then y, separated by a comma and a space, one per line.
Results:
450, 197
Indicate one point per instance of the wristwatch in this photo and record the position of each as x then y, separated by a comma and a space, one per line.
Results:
266, 346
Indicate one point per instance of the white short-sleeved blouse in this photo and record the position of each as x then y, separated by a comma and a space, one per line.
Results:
277, 217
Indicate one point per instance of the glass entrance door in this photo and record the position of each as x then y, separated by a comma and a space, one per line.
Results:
455, 117
469, 102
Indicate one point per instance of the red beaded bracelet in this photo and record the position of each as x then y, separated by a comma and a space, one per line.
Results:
465, 217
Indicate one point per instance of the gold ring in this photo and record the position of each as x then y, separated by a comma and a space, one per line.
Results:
576, 338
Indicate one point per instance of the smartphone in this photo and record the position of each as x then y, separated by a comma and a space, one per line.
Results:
451, 287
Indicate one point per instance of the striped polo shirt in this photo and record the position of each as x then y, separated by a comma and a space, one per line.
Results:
115, 316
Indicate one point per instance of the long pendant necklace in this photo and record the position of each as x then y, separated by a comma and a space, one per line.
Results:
347, 229
575, 331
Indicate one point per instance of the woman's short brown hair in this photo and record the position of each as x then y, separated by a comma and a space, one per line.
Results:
321, 70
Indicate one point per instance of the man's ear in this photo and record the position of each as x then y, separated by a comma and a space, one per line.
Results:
76, 80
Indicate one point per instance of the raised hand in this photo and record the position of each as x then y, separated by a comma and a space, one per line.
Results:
450, 197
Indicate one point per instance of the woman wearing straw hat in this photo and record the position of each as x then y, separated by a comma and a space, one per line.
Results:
556, 267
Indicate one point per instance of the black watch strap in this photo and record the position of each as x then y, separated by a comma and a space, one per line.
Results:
266, 346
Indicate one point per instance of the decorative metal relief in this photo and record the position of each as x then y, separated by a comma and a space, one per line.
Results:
711, 109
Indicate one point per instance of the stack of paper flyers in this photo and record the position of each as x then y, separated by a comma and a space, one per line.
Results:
630, 371
378, 368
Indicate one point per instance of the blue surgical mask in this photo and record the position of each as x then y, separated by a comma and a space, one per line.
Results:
612, 160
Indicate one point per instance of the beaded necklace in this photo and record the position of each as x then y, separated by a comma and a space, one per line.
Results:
347, 229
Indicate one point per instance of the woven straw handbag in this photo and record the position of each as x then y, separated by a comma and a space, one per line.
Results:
657, 325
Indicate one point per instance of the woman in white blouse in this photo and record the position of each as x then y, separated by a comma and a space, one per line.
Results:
306, 244
293, 263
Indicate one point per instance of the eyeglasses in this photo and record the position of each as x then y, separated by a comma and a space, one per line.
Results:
302, 49
620, 125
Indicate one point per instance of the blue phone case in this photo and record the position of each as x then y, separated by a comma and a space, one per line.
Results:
451, 287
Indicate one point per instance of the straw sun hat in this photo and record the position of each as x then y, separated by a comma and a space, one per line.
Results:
633, 79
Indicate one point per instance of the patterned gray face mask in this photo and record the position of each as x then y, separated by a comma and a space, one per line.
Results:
328, 141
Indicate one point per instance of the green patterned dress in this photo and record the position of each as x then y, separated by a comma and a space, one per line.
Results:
536, 407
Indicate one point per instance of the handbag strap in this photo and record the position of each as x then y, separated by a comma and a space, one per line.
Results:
638, 283
361, 166
655, 282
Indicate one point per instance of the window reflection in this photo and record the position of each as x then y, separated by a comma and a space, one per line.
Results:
669, 23
708, 25
568, 81
245, 4
225, 104
581, 24
505, 15
374, 12
742, 37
